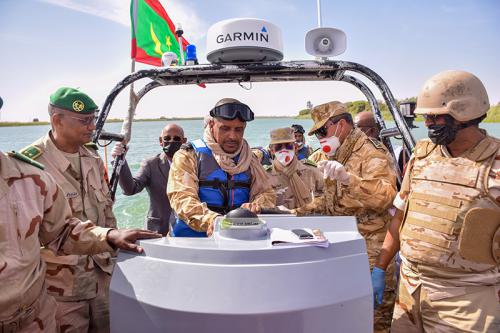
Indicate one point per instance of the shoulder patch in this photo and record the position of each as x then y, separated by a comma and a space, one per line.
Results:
377, 144
309, 162
26, 159
92, 145
31, 152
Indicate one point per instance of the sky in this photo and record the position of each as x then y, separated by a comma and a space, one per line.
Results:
47, 44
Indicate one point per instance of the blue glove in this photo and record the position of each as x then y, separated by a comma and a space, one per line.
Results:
378, 283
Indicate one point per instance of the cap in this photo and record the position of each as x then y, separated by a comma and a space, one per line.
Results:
282, 135
321, 113
73, 100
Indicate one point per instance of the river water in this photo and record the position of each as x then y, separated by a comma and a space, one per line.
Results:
130, 211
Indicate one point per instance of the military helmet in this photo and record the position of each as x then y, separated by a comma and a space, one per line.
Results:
457, 93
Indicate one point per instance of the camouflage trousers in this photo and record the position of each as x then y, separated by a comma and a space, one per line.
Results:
382, 316
476, 311
44, 319
86, 315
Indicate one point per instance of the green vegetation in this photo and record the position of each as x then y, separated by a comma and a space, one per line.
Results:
359, 106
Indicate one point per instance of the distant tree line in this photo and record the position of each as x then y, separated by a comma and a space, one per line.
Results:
356, 107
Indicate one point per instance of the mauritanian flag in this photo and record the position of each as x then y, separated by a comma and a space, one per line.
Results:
153, 32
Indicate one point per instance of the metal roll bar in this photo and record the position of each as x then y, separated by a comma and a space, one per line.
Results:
328, 70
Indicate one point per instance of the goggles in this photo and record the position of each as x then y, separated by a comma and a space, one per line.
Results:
232, 111
298, 129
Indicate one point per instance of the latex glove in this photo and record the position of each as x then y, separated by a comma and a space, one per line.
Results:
378, 284
334, 170
118, 150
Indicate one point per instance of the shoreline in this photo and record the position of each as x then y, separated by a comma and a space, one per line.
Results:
42, 123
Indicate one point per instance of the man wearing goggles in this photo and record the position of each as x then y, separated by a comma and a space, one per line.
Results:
153, 175
359, 180
80, 284
303, 150
447, 226
211, 176
296, 182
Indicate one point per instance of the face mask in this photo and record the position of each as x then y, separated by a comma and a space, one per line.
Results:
284, 156
299, 144
331, 144
442, 134
171, 147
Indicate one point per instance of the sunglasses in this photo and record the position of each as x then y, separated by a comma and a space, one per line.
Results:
323, 131
169, 138
232, 111
84, 121
281, 146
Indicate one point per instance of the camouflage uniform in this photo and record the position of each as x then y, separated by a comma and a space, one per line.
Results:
80, 284
307, 171
318, 155
450, 277
283, 178
182, 191
34, 211
368, 196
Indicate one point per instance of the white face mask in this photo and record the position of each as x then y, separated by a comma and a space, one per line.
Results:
330, 145
284, 156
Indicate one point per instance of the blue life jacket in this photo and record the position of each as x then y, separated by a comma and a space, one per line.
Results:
303, 152
266, 156
219, 190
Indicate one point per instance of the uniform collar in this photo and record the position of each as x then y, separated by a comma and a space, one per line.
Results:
57, 155
483, 150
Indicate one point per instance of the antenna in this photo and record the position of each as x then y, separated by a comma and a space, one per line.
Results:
318, 4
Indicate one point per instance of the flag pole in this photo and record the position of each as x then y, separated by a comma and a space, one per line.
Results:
126, 131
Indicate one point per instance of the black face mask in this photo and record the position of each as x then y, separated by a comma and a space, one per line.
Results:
443, 134
171, 147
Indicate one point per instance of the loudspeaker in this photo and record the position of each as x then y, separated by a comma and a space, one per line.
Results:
325, 42
169, 59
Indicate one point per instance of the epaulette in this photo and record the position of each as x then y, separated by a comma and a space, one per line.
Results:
31, 152
423, 148
267, 167
187, 146
92, 145
28, 160
377, 144
308, 162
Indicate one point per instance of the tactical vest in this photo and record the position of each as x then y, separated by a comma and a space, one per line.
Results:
443, 190
219, 190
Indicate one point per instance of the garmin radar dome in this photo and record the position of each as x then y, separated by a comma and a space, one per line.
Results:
244, 40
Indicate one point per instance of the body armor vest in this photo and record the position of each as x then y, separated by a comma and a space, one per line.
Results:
443, 190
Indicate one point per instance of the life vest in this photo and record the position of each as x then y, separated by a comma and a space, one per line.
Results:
219, 190
303, 152
443, 191
266, 156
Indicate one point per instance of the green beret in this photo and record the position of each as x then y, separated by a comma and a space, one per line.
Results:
73, 100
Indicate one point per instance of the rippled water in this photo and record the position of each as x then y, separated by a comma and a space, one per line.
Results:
130, 211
